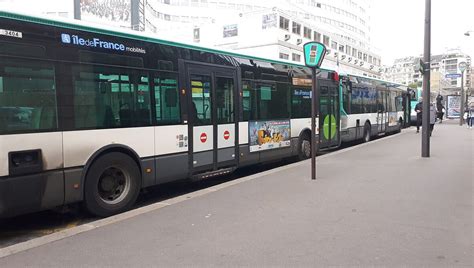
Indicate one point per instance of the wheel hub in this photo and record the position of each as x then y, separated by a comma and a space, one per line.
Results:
114, 185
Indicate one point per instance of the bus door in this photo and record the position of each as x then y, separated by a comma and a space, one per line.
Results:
382, 115
212, 117
329, 114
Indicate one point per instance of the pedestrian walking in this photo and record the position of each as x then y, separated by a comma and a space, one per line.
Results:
440, 111
432, 117
470, 115
419, 111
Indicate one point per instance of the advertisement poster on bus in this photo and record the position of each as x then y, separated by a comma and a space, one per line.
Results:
392, 119
454, 106
266, 135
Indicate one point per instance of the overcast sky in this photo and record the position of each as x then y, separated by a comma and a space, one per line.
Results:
398, 27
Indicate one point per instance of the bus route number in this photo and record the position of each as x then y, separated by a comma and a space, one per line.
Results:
11, 33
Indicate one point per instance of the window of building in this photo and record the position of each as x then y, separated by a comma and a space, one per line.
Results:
284, 23
307, 32
27, 96
296, 57
296, 28
348, 50
333, 45
317, 36
326, 40
284, 56
341, 48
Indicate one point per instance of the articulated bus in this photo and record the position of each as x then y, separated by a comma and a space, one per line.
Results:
93, 116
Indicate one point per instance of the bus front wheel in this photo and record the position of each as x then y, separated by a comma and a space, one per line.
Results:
112, 184
367, 131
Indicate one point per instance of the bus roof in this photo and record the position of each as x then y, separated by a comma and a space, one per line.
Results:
127, 33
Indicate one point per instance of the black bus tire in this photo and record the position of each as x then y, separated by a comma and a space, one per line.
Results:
367, 135
304, 148
112, 185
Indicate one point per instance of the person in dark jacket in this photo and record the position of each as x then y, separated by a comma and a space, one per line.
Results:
432, 117
419, 111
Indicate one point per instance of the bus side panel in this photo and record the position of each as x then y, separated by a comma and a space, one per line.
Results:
50, 145
79, 146
31, 193
171, 150
22, 192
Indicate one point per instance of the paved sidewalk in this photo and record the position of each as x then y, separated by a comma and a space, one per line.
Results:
379, 204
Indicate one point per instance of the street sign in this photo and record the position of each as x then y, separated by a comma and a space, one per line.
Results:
462, 66
452, 76
314, 53
419, 66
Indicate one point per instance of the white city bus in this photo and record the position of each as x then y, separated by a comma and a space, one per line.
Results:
92, 115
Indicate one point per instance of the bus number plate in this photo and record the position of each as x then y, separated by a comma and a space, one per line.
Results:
11, 33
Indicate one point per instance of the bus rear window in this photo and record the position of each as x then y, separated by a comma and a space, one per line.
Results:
27, 96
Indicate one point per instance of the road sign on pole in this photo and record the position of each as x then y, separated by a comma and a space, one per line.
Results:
420, 66
452, 76
314, 53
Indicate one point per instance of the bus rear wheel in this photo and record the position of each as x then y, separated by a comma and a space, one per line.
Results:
112, 185
305, 147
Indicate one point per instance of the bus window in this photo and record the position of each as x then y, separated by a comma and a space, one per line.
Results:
167, 100
346, 91
107, 97
301, 102
274, 101
201, 98
356, 101
27, 96
225, 100
248, 97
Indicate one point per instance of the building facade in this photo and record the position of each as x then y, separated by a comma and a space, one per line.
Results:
274, 29
445, 73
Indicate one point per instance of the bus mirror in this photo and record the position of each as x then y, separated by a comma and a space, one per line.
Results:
171, 97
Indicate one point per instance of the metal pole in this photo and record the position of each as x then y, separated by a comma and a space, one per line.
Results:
425, 131
77, 9
461, 118
314, 99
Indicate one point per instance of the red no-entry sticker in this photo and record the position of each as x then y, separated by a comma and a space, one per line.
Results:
226, 135
203, 137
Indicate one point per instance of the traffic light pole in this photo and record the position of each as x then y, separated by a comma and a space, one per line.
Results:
425, 130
